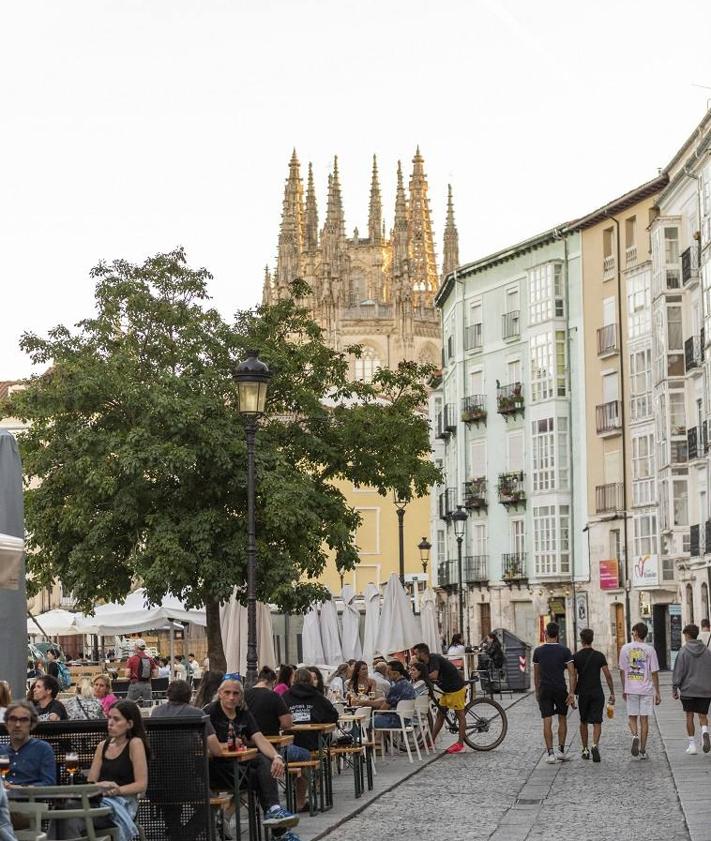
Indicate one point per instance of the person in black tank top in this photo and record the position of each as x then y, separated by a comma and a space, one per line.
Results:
120, 769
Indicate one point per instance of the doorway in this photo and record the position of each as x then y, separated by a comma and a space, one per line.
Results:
660, 620
484, 619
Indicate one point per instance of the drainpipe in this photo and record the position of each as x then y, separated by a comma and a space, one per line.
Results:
628, 620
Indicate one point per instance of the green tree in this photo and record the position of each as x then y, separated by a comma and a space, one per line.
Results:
136, 459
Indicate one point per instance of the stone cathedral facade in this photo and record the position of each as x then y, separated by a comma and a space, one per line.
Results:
375, 290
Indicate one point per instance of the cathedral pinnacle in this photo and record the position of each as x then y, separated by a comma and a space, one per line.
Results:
311, 220
334, 208
291, 234
451, 238
423, 266
375, 210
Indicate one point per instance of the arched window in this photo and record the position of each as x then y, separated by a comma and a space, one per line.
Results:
690, 602
367, 365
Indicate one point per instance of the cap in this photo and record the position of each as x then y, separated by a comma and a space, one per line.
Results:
139, 643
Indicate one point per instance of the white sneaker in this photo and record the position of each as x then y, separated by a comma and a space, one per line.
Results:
560, 756
691, 750
550, 759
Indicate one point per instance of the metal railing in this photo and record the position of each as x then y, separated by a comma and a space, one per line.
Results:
447, 503
690, 263
476, 569
446, 574
607, 417
475, 494
474, 408
511, 488
450, 418
692, 443
513, 566
694, 352
607, 340
694, 541
509, 398
511, 324
609, 498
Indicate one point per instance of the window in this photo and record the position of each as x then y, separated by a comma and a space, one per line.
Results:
608, 242
639, 318
479, 539
513, 366
643, 469
548, 373
681, 502
366, 365
630, 232
610, 387
609, 312
514, 451
476, 382
641, 384
518, 543
546, 296
645, 534
478, 460
551, 539
441, 547
671, 246
511, 299
677, 412
675, 337
549, 454
615, 544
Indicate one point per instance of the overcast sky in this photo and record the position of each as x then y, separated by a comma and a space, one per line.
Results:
132, 127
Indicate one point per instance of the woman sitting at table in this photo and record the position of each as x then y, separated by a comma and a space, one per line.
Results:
84, 705
337, 681
120, 768
361, 685
420, 677
103, 693
284, 678
230, 717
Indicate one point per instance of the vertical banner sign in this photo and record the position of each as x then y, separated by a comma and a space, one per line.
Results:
610, 575
581, 610
674, 631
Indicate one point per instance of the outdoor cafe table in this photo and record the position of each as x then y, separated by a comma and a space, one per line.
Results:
240, 763
325, 778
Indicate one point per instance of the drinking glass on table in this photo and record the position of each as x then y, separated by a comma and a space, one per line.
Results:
71, 763
4, 766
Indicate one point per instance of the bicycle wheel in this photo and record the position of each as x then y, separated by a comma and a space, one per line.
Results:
486, 724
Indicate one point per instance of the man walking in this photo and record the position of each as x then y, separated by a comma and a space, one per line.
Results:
139, 670
454, 692
639, 675
588, 687
550, 663
692, 681
705, 635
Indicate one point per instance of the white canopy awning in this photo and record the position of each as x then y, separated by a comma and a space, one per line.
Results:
134, 615
398, 629
54, 623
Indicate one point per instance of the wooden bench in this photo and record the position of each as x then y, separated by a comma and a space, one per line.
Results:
311, 766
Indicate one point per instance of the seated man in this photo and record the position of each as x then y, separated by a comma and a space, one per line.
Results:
230, 716
308, 706
32, 761
400, 690
44, 694
380, 676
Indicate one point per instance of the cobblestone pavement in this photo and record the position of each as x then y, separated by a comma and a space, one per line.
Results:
510, 794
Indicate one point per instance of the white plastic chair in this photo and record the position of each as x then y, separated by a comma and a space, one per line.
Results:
364, 716
422, 709
405, 710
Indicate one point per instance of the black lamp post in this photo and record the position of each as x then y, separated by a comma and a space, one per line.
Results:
400, 504
252, 378
459, 518
424, 546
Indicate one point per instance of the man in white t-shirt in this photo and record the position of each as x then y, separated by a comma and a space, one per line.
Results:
639, 674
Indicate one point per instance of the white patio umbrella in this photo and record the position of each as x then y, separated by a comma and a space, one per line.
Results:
398, 630
53, 623
233, 627
133, 615
350, 622
312, 647
332, 653
372, 618
428, 620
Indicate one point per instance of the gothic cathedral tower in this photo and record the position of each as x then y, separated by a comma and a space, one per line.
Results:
376, 291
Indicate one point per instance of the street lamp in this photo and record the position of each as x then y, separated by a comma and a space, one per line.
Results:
424, 546
400, 504
252, 378
459, 518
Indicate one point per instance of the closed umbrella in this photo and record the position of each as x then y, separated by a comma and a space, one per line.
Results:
428, 620
233, 628
312, 647
333, 656
372, 618
398, 630
350, 621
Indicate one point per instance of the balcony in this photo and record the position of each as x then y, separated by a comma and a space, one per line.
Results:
474, 409
609, 499
630, 255
690, 264
446, 574
607, 340
694, 353
511, 489
476, 569
608, 267
678, 452
608, 418
513, 566
447, 503
473, 337
511, 324
705, 437
450, 418
692, 444
694, 541
368, 310
509, 399
440, 430
475, 494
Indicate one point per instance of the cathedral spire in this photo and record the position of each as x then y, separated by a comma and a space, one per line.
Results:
311, 220
267, 288
423, 266
375, 210
334, 209
291, 233
451, 238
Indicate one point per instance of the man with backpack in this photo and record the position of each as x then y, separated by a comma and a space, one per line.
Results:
139, 670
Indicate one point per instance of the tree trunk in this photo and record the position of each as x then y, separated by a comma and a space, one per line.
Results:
215, 651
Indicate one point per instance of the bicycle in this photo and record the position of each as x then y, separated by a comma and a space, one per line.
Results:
486, 720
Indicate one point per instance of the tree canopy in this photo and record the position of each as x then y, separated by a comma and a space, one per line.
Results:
135, 454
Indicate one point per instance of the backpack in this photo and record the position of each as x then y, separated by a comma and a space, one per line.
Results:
145, 669
63, 675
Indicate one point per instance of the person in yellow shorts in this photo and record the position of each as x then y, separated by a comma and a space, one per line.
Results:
449, 679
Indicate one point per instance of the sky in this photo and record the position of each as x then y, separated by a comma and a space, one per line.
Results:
129, 128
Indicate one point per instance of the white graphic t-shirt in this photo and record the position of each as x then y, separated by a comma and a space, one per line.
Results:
638, 661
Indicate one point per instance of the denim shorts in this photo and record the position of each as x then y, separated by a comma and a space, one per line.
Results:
294, 753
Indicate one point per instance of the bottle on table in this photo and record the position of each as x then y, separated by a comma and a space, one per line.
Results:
231, 738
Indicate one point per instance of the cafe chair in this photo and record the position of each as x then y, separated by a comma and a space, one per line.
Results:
422, 713
405, 711
60, 794
34, 814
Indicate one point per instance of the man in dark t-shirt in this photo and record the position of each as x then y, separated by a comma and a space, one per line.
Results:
454, 693
591, 699
550, 663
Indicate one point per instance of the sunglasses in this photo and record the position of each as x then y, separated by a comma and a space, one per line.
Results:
13, 719
233, 676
